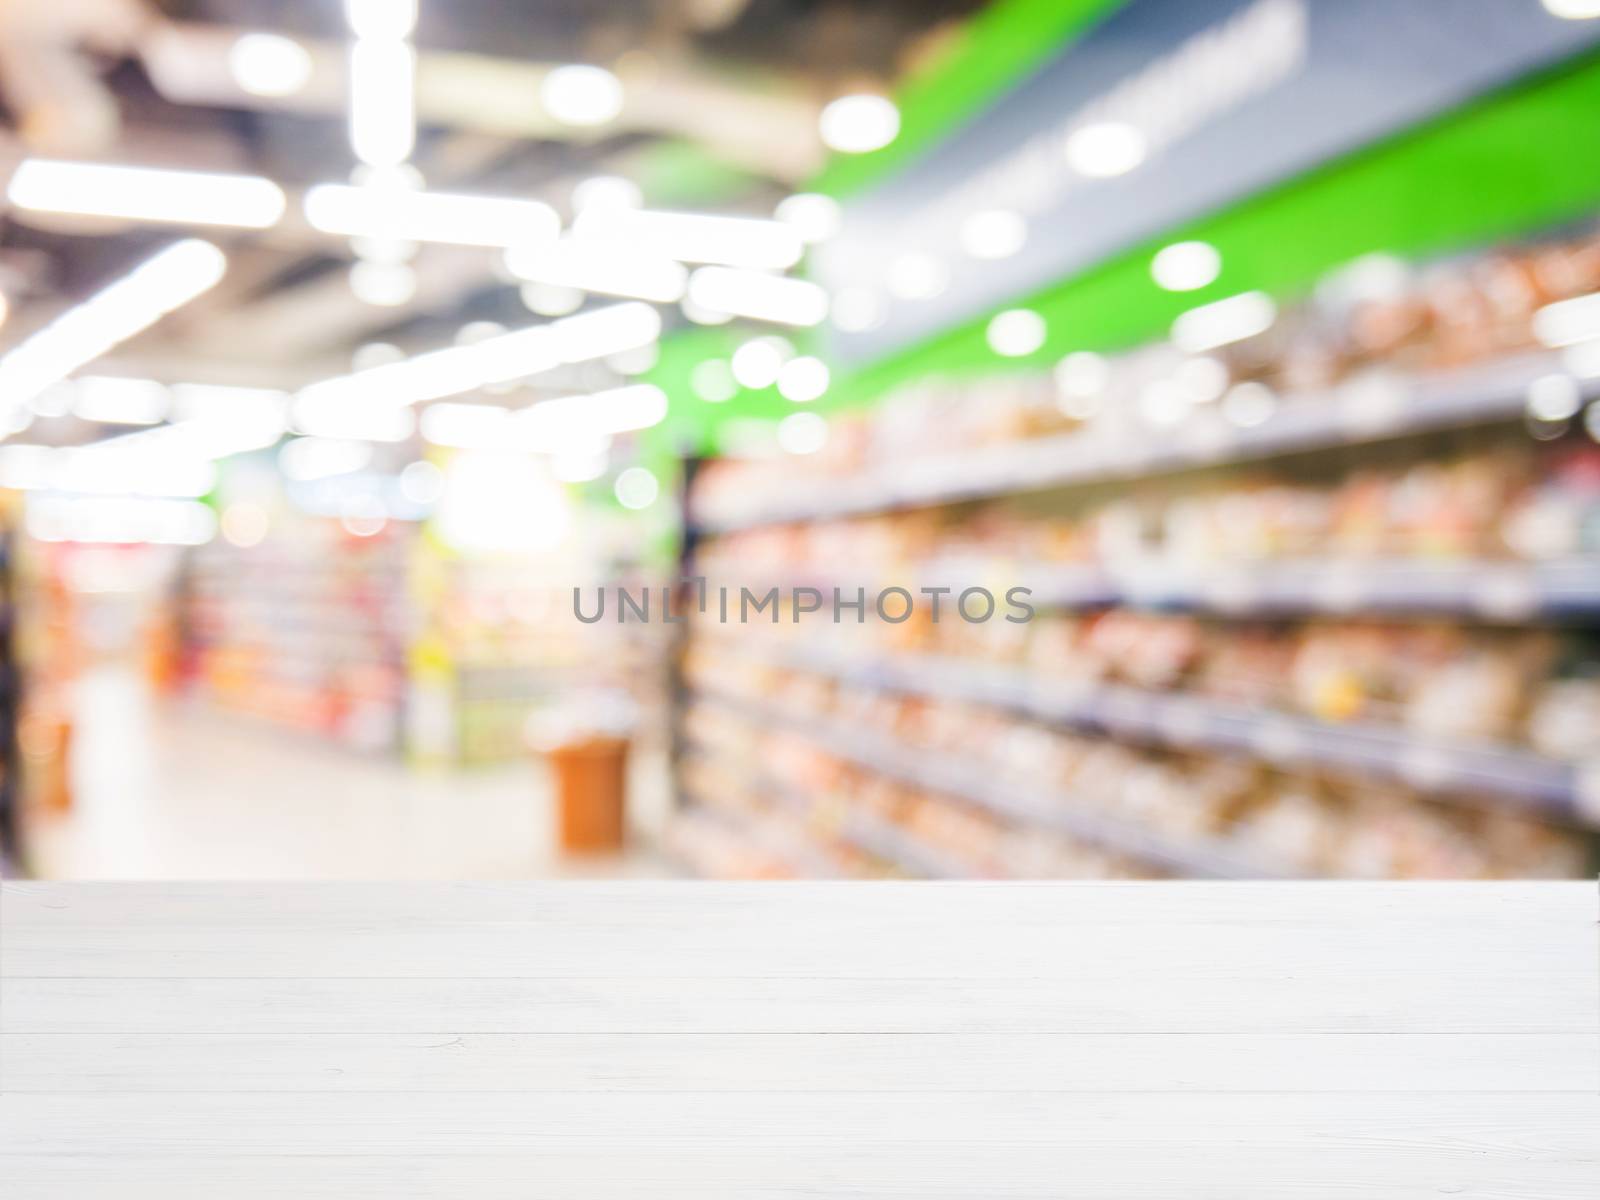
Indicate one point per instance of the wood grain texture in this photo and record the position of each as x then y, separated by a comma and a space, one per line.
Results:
960, 1040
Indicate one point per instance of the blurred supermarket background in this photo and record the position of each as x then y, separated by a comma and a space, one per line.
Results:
344, 339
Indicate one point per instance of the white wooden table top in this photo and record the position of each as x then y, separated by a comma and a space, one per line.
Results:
569, 1040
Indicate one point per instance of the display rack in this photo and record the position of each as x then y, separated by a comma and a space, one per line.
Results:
978, 785
1364, 410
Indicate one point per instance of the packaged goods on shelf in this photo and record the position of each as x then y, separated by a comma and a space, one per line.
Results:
308, 632
1321, 602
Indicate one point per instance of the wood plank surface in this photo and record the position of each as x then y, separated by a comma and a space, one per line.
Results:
958, 1040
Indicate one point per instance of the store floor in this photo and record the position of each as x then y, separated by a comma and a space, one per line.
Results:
178, 790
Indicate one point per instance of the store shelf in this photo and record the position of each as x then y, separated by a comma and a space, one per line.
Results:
1547, 787
866, 832
802, 861
1371, 409
978, 784
1478, 589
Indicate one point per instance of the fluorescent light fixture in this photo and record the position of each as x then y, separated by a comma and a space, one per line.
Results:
606, 191
268, 64
1105, 149
1554, 397
815, 217
120, 521
1185, 266
146, 194
26, 468
354, 420
859, 123
802, 380
592, 265
458, 369
383, 19
1568, 322
224, 404
132, 465
443, 217
1016, 333
697, 237
383, 285
1573, 10
467, 426
1218, 324
759, 296
995, 233
163, 282
557, 425
383, 126
550, 301
119, 401
307, 458
579, 94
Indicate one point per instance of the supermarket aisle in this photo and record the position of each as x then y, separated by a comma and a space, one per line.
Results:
181, 791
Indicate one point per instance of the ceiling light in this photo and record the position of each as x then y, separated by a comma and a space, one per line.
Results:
267, 64
375, 354
1573, 10
1568, 322
756, 363
26, 468
146, 194
1225, 321
637, 488
859, 123
466, 426
606, 191
802, 433
163, 282
1185, 266
580, 466
713, 381
119, 401
383, 285
803, 380
383, 125
1015, 333
120, 521
307, 458
697, 237
449, 372
591, 265
759, 296
578, 94
815, 217
636, 361
391, 19
355, 419
701, 315
1105, 148
917, 276
556, 425
997, 233
550, 301
444, 217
